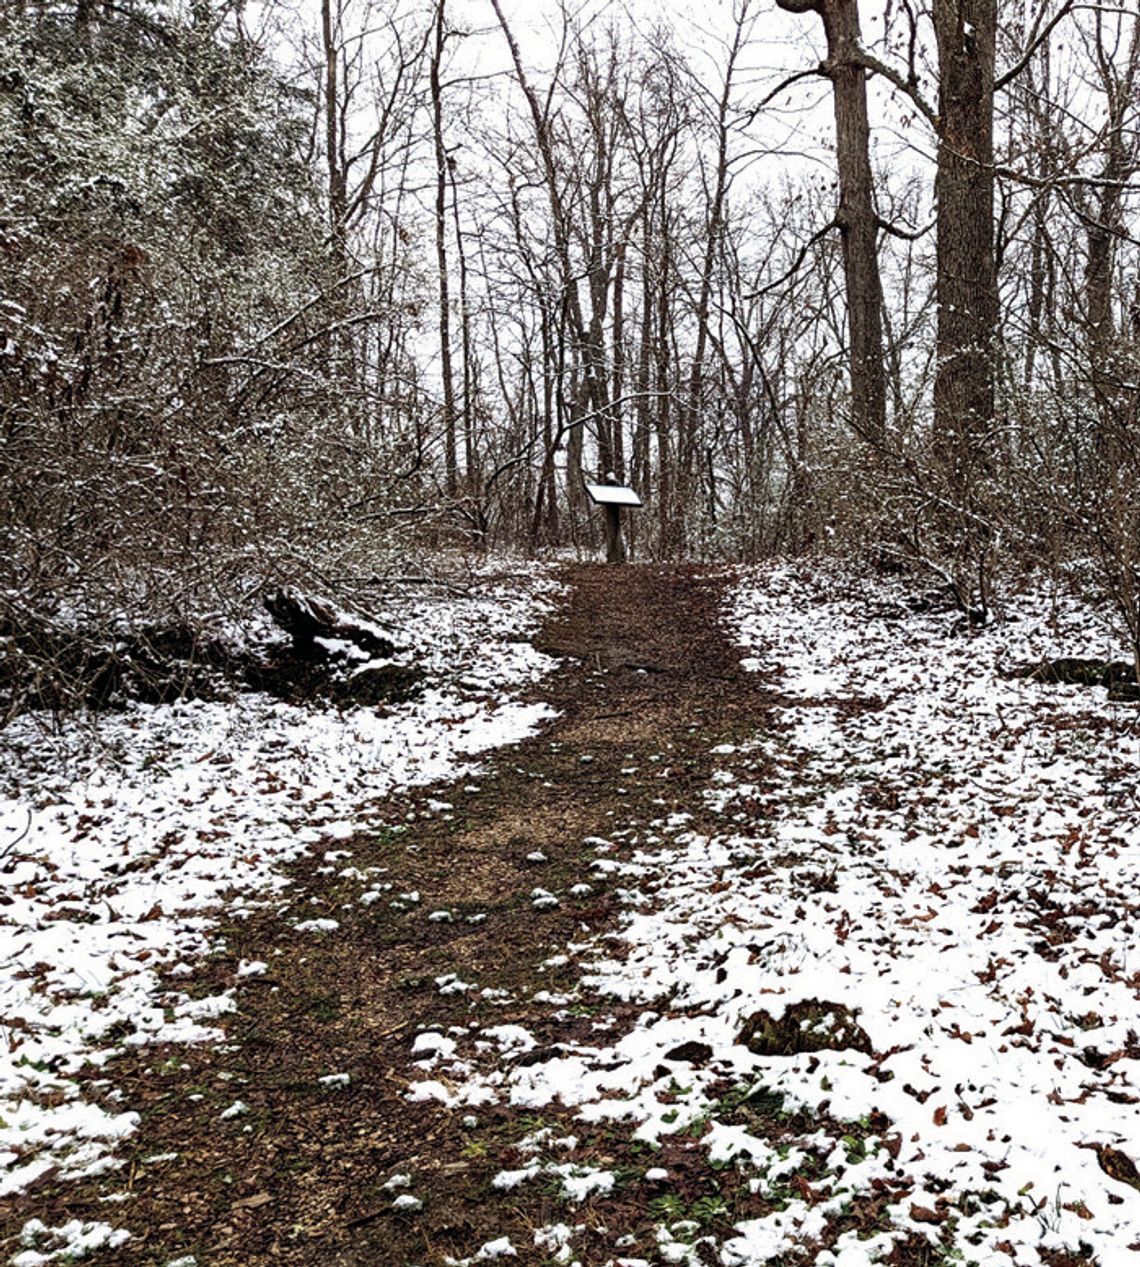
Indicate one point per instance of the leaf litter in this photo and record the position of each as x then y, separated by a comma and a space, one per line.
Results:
122, 839
910, 937
868, 998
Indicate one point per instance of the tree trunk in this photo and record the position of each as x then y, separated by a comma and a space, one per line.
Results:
571, 315
1104, 223
615, 547
714, 228
855, 216
966, 272
338, 180
618, 370
451, 467
470, 447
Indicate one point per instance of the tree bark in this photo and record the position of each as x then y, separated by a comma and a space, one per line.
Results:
338, 180
1104, 221
615, 546
451, 467
855, 216
618, 367
470, 447
966, 279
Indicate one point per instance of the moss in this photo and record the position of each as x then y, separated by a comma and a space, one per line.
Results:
807, 1026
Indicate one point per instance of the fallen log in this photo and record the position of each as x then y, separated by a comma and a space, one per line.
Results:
1117, 675
306, 618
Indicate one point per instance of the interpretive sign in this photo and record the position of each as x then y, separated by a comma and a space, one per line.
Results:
613, 497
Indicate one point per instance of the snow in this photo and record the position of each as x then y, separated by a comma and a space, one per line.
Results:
949, 853
512, 1038
69, 1243
507, 1179
580, 1182
430, 1045
501, 1247
123, 835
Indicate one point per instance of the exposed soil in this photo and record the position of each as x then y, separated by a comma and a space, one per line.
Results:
648, 686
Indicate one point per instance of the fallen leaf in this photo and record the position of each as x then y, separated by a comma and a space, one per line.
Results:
254, 1202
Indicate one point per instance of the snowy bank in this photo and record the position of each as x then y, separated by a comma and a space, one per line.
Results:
932, 868
121, 837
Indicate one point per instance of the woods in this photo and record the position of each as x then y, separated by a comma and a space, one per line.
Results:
386, 878
304, 293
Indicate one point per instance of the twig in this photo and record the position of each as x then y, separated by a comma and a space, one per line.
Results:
19, 838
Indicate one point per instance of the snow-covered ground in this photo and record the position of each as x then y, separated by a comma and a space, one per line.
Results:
946, 853
121, 838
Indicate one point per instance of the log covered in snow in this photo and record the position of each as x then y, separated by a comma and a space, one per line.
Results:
306, 618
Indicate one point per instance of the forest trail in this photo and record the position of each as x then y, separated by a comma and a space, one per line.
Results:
755, 953
277, 1147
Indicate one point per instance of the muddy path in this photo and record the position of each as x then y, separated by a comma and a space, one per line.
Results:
279, 1145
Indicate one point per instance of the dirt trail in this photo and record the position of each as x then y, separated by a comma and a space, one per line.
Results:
649, 684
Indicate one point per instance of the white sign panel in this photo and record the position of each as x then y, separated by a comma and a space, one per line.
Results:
612, 495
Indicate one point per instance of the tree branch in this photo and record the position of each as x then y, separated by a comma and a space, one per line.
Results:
812, 73
795, 268
907, 235
1035, 43
870, 62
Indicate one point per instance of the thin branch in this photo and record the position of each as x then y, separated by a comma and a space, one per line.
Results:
907, 235
813, 72
795, 268
1035, 43
870, 62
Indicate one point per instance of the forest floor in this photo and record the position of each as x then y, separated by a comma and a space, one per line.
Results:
818, 955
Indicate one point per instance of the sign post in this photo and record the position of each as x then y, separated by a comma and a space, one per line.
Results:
612, 496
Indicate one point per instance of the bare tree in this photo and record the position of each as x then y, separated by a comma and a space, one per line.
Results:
441, 190
856, 219
966, 32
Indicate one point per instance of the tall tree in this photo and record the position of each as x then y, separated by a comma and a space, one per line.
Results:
587, 371
717, 191
966, 280
1102, 208
855, 216
441, 189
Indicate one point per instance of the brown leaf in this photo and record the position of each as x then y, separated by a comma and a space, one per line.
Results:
940, 1115
254, 1202
806, 1191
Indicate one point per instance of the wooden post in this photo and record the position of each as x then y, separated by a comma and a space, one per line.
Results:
612, 497
615, 546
